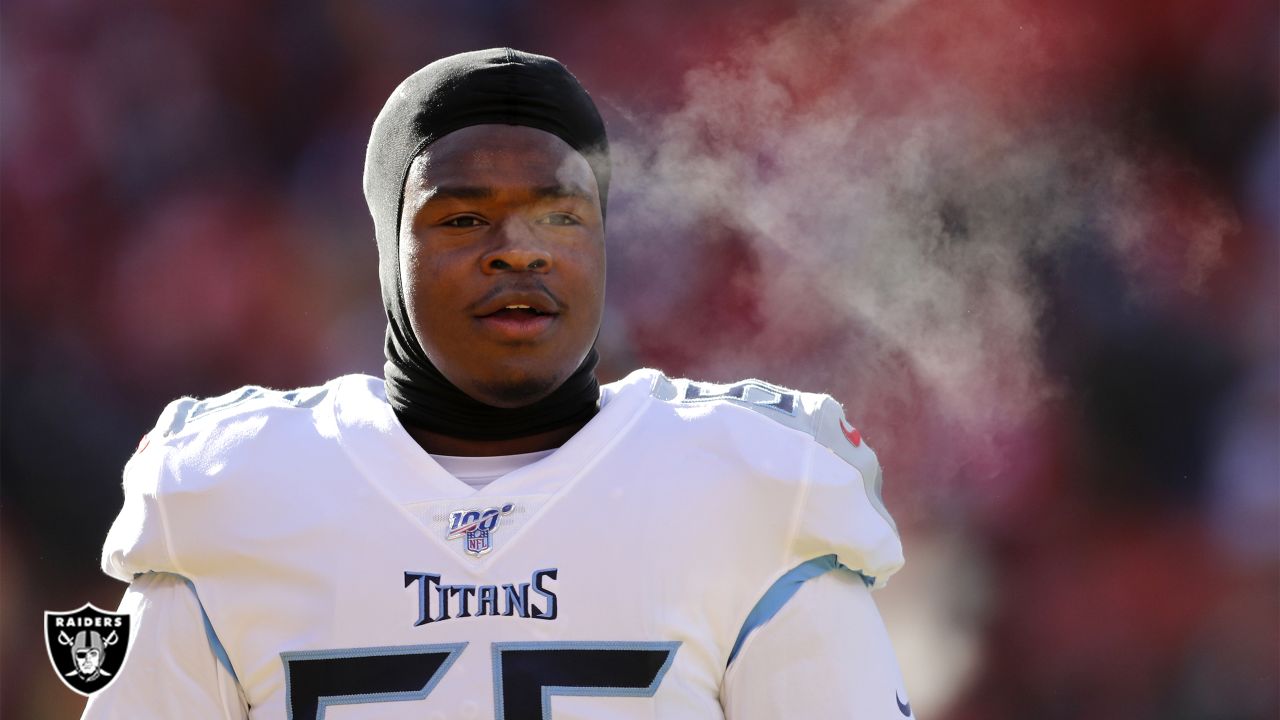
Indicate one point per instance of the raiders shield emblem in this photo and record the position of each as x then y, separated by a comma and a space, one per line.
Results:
86, 646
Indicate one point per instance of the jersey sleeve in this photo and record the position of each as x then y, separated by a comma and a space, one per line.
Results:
841, 511
138, 541
825, 654
173, 668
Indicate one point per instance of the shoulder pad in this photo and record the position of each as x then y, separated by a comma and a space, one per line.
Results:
186, 411
817, 415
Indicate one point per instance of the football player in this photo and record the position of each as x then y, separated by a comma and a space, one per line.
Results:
487, 532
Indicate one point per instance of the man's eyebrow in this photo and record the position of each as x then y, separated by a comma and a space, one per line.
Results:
567, 192
459, 192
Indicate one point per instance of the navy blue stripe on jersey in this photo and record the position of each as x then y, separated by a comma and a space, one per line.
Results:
316, 679
527, 674
783, 590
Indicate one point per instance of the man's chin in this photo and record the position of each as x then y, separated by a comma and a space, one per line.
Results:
515, 392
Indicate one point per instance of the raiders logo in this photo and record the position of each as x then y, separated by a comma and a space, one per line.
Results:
87, 646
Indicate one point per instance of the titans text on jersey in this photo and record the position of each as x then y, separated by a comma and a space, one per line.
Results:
437, 599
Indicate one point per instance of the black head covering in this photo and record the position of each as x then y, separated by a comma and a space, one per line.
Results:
498, 86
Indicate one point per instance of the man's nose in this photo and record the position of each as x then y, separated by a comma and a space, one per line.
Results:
519, 249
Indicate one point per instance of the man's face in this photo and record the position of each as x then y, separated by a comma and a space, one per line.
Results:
502, 260
87, 660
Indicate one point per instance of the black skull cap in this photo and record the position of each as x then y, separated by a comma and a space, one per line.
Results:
497, 86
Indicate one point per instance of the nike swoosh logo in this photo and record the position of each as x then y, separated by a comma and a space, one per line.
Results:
850, 433
904, 708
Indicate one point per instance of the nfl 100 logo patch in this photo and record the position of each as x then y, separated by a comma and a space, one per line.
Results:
87, 646
477, 526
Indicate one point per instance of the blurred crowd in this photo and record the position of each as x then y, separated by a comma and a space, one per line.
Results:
181, 214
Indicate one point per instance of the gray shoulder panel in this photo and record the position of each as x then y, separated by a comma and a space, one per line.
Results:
791, 408
833, 431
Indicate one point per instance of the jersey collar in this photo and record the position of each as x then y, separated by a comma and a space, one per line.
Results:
392, 460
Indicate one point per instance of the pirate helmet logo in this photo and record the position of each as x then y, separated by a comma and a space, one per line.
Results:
86, 646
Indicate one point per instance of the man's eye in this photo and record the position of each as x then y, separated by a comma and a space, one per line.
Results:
463, 221
560, 219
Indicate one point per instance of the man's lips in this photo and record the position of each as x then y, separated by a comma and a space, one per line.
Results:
518, 315
516, 326
531, 302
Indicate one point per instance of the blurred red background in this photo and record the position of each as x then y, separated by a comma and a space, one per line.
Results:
1032, 246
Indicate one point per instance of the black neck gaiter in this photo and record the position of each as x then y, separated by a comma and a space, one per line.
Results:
499, 86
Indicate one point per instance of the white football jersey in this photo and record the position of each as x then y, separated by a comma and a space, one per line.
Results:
298, 555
